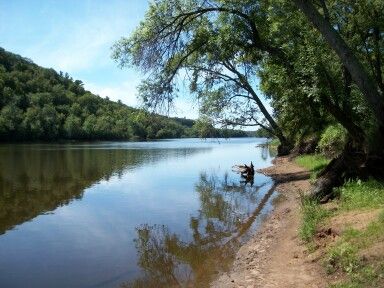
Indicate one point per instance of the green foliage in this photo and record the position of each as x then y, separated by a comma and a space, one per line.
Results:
226, 44
314, 163
312, 216
274, 142
261, 132
40, 104
346, 256
332, 140
361, 195
208, 44
204, 128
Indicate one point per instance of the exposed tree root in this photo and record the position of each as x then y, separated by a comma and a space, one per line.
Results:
351, 163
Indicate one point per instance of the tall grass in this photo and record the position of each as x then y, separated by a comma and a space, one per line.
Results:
312, 216
361, 195
313, 162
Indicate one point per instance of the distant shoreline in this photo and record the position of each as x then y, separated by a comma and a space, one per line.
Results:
69, 141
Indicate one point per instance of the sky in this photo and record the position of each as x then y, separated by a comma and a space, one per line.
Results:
75, 36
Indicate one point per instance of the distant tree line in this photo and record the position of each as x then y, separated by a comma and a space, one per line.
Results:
40, 104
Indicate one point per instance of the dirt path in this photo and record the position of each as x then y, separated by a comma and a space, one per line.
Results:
275, 256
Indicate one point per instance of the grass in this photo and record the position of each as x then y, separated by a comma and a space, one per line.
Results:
312, 213
314, 163
346, 256
342, 256
312, 216
368, 276
356, 195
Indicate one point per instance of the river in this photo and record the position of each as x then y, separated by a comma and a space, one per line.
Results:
127, 214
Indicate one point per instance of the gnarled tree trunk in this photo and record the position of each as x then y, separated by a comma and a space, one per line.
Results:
349, 164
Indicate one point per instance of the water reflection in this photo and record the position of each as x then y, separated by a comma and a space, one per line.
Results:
83, 205
36, 179
268, 151
228, 211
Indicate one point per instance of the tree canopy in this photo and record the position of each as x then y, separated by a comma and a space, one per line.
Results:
318, 62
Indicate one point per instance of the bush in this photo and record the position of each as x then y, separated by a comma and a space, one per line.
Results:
274, 142
332, 140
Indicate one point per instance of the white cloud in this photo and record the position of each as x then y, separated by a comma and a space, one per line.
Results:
126, 91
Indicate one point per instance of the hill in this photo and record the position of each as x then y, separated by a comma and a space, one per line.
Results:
37, 103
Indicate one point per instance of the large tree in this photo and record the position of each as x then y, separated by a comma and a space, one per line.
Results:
367, 85
312, 81
354, 30
216, 44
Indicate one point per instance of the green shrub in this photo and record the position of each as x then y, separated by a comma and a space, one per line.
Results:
332, 140
274, 142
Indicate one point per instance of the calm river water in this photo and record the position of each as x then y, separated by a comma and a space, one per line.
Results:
112, 214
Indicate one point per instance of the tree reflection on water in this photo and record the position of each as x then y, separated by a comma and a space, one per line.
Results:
227, 211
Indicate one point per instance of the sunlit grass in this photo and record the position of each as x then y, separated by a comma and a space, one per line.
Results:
313, 215
313, 162
361, 195
346, 256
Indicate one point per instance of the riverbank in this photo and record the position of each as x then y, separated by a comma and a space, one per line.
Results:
306, 244
276, 256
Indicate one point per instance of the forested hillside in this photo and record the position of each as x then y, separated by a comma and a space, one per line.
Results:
40, 104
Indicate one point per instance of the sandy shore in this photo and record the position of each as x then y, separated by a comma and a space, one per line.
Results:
275, 256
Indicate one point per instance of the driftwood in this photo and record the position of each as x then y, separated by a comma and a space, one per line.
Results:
245, 170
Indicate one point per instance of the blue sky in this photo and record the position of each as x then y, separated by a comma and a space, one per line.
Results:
76, 36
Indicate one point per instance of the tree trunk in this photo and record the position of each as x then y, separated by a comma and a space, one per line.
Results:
344, 117
363, 80
285, 145
349, 164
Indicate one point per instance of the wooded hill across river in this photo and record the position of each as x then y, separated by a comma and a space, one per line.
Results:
37, 103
